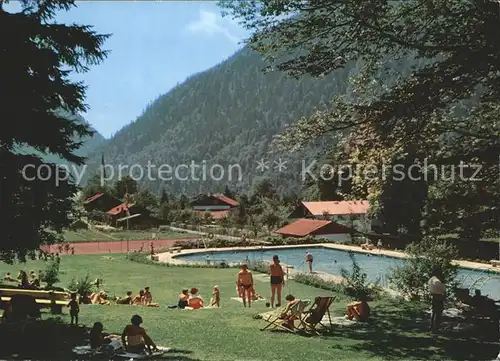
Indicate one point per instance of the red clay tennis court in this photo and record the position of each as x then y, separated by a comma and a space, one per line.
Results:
96, 247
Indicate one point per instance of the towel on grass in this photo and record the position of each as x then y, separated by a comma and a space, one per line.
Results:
239, 299
116, 346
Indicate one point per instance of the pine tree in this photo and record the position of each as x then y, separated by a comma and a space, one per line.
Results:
37, 57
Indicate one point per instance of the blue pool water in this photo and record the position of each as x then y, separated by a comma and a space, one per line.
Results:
324, 260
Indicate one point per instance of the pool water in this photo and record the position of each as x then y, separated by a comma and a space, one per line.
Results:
332, 261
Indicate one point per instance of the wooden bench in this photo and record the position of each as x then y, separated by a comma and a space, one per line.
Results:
495, 262
42, 298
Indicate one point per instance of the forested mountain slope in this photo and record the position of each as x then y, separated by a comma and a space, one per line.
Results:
225, 115
89, 145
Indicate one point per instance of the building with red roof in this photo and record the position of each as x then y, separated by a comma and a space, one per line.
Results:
101, 202
317, 228
217, 205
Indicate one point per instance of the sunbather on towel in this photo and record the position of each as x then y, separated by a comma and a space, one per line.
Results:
287, 314
360, 311
138, 299
195, 300
148, 298
127, 300
135, 339
183, 299
99, 298
97, 337
8, 277
256, 296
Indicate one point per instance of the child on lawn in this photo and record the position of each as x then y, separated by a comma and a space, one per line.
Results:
215, 301
74, 309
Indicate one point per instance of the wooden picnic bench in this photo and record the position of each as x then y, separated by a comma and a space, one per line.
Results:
53, 299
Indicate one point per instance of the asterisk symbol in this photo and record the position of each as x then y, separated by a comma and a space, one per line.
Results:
280, 165
262, 165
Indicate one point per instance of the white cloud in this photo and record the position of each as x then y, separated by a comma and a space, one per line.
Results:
211, 23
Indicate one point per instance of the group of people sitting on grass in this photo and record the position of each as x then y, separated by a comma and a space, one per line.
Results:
191, 299
134, 338
31, 282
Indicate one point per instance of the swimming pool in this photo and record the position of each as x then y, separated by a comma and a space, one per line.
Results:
331, 261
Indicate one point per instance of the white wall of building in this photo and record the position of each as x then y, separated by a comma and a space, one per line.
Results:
210, 208
340, 238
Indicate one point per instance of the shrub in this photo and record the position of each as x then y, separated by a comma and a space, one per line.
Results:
356, 283
84, 286
429, 255
51, 274
259, 266
318, 282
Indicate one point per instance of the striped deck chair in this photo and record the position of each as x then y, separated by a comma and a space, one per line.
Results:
275, 321
313, 317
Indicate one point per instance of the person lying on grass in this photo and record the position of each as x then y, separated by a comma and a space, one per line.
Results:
127, 300
245, 284
135, 339
287, 313
99, 298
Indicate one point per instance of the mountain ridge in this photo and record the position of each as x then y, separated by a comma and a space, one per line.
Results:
227, 114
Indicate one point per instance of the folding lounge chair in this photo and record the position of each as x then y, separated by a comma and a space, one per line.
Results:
311, 318
274, 321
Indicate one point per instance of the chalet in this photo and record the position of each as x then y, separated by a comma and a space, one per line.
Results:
217, 205
138, 221
101, 202
317, 228
352, 214
132, 216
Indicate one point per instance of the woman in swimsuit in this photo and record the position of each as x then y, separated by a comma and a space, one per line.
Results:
195, 301
277, 280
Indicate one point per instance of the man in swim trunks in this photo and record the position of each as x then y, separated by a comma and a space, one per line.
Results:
277, 280
309, 261
135, 339
245, 284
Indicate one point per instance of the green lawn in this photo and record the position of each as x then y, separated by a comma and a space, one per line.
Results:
94, 235
230, 333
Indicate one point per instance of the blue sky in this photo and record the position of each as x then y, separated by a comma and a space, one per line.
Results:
154, 46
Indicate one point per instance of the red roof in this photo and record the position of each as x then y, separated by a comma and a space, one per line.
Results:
227, 200
93, 198
337, 207
215, 214
304, 226
120, 208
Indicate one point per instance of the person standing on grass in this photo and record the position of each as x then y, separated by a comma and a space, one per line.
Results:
437, 291
245, 284
74, 309
309, 261
277, 280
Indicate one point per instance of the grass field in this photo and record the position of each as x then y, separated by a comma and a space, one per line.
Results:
396, 331
94, 235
